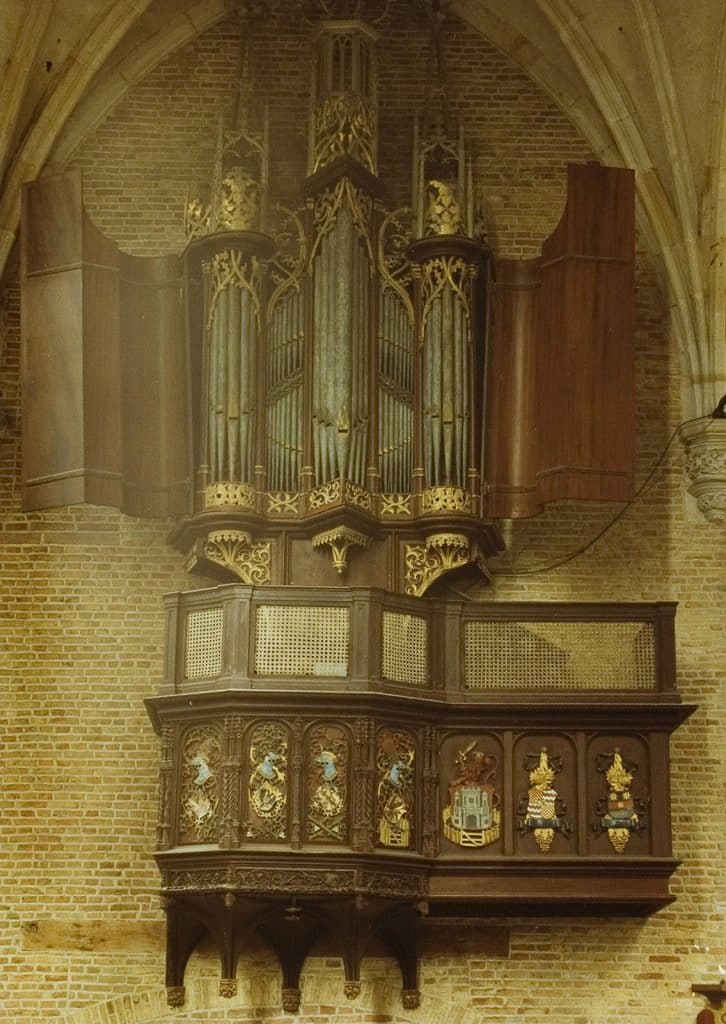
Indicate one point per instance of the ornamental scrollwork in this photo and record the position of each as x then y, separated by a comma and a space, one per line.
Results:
395, 793
426, 562
445, 272
267, 788
394, 237
288, 261
282, 503
326, 494
395, 504
446, 499
231, 268
200, 787
327, 205
328, 784
344, 125
380, 883
229, 493
235, 550
359, 496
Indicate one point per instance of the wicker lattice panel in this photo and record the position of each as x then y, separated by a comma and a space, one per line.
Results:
293, 640
203, 648
405, 649
559, 655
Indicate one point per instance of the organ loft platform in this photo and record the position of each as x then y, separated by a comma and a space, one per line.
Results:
342, 761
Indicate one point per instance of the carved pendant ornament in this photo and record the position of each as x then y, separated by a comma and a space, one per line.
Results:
267, 787
472, 816
199, 818
395, 794
328, 784
339, 540
619, 813
542, 808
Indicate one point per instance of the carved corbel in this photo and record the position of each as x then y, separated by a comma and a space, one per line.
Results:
235, 551
440, 553
705, 448
339, 539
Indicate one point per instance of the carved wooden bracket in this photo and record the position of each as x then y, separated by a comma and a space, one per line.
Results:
339, 539
291, 925
235, 551
440, 553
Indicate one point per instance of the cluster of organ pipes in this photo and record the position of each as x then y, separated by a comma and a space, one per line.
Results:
395, 394
342, 325
447, 368
346, 341
285, 341
233, 330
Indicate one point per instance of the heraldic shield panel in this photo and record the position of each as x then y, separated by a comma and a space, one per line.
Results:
471, 786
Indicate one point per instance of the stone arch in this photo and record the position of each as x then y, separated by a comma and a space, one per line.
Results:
322, 995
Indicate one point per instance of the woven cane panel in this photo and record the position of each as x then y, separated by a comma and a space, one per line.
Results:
203, 649
559, 655
405, 643
295, 640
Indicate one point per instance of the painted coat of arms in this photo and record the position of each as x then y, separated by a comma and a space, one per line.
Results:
395, 794
471, 818
620, 814
542, 809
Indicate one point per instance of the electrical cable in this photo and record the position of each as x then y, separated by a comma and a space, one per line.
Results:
618, 515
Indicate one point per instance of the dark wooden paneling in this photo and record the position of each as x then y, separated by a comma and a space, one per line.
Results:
561, 374
155, 400
511, 439
584, 363
71, 420
105, 377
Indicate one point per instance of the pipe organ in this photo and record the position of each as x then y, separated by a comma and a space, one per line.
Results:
346, 395
338, 348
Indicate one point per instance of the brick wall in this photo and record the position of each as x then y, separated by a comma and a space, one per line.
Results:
81, 622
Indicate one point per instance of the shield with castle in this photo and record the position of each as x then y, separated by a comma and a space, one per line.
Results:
471, 818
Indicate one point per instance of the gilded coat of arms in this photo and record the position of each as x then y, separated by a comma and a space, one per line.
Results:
395, 788
620, 814
542, 809
471, 818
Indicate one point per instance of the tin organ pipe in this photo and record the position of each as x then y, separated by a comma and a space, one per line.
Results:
285, 347
233, 342
222, 313
362, 373
274, 341
332, 358
427, 401
213, 332
326, 366
434, 326
448, 398
460, 403
344, 337
353, 384
231, 383
248, 371
317, 333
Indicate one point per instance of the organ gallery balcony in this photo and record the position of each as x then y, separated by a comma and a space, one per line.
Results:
345, 760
